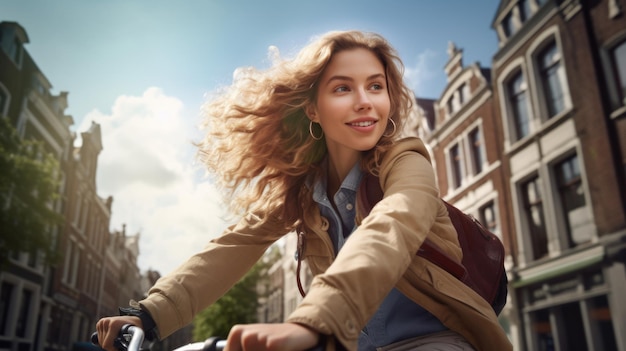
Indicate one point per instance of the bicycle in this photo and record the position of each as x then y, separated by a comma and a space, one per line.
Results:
130, 338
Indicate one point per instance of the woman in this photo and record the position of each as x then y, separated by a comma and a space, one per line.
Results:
291, 144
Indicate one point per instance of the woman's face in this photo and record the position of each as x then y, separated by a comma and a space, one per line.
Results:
352, 103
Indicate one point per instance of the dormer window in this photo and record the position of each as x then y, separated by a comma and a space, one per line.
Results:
462, 94
16, 51
507, 25
518, 14
12, 40
524, 10
457, 99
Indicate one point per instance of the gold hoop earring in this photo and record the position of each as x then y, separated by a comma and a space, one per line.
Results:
393, 123
311, 132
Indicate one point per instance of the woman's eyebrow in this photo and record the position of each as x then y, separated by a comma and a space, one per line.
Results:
340, 77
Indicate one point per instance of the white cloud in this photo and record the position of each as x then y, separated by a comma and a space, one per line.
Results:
147, 165
421, 74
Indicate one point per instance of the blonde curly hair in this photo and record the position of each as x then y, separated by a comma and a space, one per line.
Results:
257, 142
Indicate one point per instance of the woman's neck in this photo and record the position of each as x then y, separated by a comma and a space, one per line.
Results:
338, 171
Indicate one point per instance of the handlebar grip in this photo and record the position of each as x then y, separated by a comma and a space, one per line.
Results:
117, 343
120, 343
94, 339
214, 344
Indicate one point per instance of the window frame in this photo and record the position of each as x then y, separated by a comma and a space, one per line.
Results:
525, 216
550, 37
5, 100
477, 168
616, 72
554, 95
490, 203
456, 172
563, 225
512, 101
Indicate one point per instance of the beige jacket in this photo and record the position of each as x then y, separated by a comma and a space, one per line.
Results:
347, 289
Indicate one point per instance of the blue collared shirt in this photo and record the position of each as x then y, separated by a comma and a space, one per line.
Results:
398, 317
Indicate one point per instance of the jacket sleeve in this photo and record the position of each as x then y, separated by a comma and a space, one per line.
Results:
176, 298
379, 251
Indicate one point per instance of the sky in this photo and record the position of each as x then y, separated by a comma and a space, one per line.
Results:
142, 69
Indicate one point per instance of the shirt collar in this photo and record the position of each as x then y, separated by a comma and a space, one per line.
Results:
351, 182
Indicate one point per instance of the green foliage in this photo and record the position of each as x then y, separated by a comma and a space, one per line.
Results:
28, 185
238, 306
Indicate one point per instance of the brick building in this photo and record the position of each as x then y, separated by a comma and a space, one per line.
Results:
52, 307
559, 78
25, 99
547, 124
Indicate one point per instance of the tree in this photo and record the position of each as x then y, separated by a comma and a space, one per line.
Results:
28, 187
238, 306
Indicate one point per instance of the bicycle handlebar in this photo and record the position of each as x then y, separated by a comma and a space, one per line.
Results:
130, 338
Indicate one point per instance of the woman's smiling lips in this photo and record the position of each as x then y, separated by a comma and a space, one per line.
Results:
363, 124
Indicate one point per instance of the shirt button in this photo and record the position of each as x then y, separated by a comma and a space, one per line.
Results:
325, 223
349, 207
351, 329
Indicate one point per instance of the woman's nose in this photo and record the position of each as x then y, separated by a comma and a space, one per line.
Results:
363, 100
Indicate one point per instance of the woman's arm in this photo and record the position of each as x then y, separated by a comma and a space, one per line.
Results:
379, 251
176, 298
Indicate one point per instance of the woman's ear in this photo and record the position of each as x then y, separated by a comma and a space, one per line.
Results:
310, 112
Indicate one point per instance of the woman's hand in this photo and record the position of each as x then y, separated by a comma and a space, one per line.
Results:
274, 337
109, 327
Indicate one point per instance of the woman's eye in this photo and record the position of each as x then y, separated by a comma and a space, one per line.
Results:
342, 89
377, 86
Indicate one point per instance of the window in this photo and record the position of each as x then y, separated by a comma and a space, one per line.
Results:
451, 106
70, 266
600, 315
552, 79
83, 216
25, 308
457, 99
567, 313
507, 25
524, 10
455, 166
77, 208
573, 203
4, 101
15, 51
519, 106
543, 330
618, 57
570, 319
463, 92
534, 216
476, 149
74, 266
6, 294
488, 217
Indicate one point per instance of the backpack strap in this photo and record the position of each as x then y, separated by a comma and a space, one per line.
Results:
299, 255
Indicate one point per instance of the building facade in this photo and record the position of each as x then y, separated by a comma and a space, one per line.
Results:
25, 99
534, 147
558, 79
55, 306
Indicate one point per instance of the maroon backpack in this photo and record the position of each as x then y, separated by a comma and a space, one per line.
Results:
482, 267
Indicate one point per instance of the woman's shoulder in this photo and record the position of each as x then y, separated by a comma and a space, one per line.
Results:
406, 145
